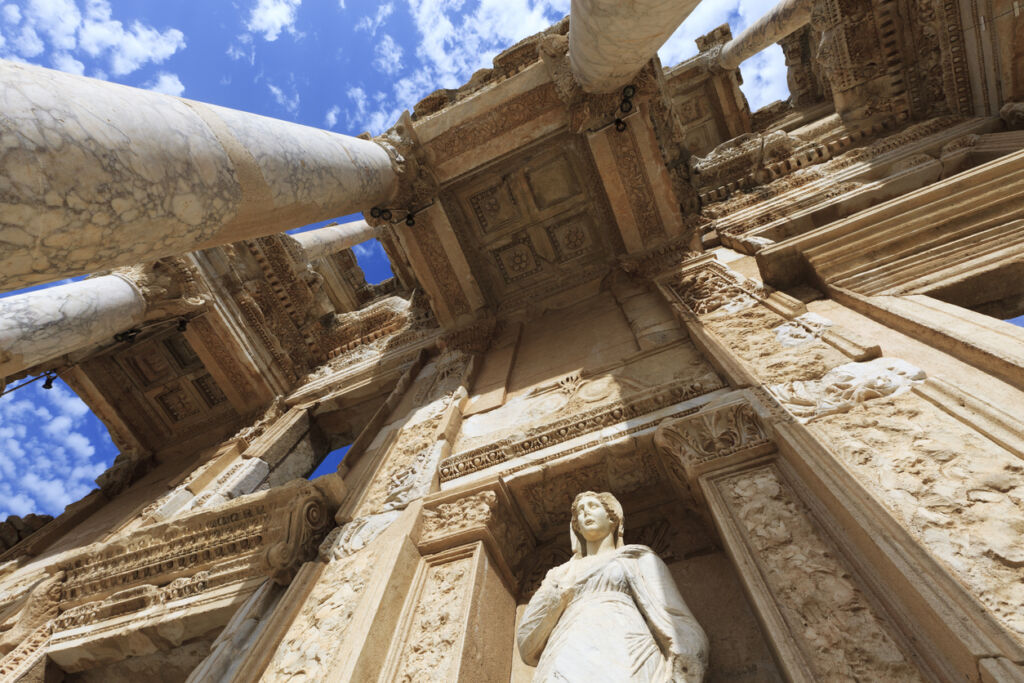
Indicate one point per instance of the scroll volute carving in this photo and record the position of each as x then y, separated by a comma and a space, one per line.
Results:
486, 513
717, 436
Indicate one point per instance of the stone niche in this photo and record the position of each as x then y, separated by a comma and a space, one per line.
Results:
659, 517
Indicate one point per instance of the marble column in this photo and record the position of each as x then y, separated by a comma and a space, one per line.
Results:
39, 326
333, 238
779, 22
610, 40
95, 175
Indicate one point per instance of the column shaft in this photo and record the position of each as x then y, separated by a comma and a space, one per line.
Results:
611, 40
95, 175
779, 22
39, 326
334, 238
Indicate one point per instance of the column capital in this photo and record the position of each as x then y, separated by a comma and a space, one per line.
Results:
701, 442
170, 286
487, 514
416, 187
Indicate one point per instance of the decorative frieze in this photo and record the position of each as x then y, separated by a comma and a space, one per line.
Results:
630, 165
267, 533
569, 427
709, 286
480, 129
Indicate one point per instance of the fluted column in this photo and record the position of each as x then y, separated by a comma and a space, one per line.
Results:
42, 325
611, 40
333, 238
95, 175
779, 22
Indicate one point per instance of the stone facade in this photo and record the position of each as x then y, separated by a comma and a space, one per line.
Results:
776, 337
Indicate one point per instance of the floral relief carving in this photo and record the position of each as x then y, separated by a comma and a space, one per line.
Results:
480, 511
437, 623
451, 518
711, 433
831, 620
629, 163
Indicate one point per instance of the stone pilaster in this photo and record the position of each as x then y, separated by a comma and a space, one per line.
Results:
807, 595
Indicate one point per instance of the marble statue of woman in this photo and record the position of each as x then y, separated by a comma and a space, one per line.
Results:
612, 612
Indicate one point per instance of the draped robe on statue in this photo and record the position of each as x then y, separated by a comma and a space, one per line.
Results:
625, 622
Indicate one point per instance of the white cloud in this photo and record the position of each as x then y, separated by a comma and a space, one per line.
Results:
358, 97
48, 460
244, 49
65, 62
372, 24
127, 50
389, 55
67, 402
289, 102
12, 15
58, 19
331, 119
28, 44
166, 83
270, 17
453, 46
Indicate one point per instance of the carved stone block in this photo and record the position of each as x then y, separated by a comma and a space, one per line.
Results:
693, 443
489, 515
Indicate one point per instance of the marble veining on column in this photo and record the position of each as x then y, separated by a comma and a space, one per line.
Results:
94, 173
39, 326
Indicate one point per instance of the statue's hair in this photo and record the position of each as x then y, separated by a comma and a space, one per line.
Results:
611, 506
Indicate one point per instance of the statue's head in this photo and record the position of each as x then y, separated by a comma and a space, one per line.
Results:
595, 516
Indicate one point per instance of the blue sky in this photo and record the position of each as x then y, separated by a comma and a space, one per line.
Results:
345, 65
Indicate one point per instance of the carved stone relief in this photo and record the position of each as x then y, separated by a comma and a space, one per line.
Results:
634, 177
711, 287
484, 516
713, 432
845, 386
437, 623
958, 494
752, 334
534, 223
833, 623
576, 405
411, 461
307, 651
